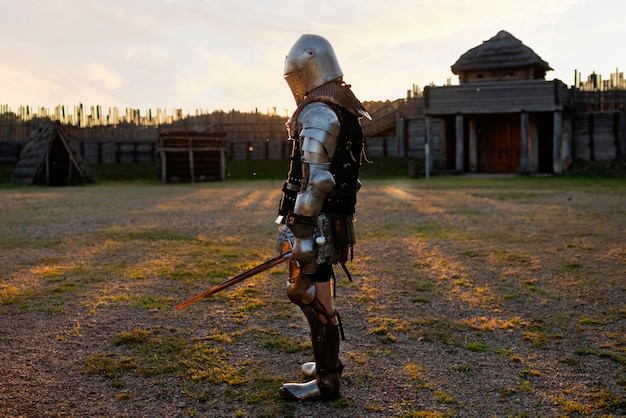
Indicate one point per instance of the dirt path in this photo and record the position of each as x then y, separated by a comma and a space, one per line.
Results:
471, 298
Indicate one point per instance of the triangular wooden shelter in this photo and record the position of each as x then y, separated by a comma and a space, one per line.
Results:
50, 159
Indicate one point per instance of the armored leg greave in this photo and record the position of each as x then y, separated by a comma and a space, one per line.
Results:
325, 340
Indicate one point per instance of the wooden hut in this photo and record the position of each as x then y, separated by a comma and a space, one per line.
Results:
503, 117
502, 57
50, 159
191, 156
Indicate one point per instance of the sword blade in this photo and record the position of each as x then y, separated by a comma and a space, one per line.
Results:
280, 258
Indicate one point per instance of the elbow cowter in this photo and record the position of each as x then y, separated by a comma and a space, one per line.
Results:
310, 201
321, 179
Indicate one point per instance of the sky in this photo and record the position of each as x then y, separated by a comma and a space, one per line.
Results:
229, 54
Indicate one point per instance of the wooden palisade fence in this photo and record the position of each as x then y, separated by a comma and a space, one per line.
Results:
398, 129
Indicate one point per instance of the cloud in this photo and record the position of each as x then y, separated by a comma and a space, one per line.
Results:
229, 55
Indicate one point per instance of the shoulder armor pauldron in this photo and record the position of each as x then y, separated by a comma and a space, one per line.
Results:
319, 121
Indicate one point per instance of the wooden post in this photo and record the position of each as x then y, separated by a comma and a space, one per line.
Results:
592, 147
163, 167
191, 168
459, 143
401, 150
566, 141
623, 133
524, 155
473, 145
533, 145
429, 138
222, 164
556, 143
443, 146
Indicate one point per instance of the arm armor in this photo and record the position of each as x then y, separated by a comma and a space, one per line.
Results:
321, 124
318, 137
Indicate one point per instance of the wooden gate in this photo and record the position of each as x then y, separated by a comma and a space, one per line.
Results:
499, 149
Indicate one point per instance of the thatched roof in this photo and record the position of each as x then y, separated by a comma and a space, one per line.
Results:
503, 51
49, 158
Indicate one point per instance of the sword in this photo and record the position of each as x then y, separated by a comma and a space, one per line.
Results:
280, 258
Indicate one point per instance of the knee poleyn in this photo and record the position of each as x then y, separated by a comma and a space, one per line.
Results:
301, 290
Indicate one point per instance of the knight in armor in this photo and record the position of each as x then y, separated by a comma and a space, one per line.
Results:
318, 202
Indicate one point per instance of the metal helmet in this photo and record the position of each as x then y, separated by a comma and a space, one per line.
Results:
311, 62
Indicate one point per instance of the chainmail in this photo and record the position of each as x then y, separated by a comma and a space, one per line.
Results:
336, 92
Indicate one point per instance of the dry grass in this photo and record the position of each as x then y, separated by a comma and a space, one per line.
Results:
472, 297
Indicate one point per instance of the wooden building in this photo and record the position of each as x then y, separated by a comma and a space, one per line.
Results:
191, 157
503, 117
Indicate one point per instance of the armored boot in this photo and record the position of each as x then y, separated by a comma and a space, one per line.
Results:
325, 386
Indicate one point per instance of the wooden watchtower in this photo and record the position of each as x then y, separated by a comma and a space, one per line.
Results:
503, 117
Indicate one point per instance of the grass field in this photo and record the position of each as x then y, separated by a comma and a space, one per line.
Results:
471, 297
380, 168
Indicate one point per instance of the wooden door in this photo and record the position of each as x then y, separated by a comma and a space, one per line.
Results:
499, 143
